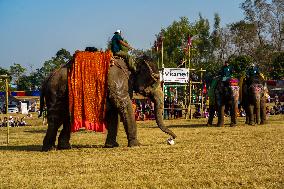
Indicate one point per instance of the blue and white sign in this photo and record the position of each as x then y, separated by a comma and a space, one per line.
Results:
175, 75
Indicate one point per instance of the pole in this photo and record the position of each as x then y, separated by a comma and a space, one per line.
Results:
190, 84
162, 53
7, 101
189, 66
189, 104
201, 76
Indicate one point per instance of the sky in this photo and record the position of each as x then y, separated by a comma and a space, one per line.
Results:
32, 31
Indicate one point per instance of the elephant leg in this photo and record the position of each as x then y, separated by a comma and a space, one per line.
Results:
257, 111
221, 112
127, 115
54, 122
65, 134
263, 112
251, 114
247, 114
112, 121
234, 110
211, 115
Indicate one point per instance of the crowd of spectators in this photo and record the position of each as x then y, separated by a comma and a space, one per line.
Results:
143, 109
278, 108
13, 121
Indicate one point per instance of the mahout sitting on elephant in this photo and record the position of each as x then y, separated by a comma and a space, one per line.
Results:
223, 95
121, 82
254, 99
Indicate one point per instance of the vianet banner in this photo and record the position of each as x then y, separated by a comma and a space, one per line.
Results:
175, 75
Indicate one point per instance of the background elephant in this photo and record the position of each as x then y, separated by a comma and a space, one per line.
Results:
121, 83
254, 100
224, 95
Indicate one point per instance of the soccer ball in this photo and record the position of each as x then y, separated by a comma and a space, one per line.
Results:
170, 141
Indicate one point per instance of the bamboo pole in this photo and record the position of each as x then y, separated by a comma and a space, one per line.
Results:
201, 77
7, 102
6, 77
162, 54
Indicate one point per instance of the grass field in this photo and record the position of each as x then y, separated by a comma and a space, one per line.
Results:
203, 157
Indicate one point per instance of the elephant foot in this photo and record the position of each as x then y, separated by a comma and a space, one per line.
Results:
220, 125
47, 148
209, 124
252, 124
111, 145
263, 122
64, 146
133, 143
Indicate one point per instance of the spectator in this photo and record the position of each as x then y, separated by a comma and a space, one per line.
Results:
22, 122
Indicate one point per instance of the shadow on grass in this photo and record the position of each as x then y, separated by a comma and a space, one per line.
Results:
189, 126
36, 131
199, 125
79, 146
37, 148
28, 148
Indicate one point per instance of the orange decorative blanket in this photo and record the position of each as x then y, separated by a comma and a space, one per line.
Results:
87, 86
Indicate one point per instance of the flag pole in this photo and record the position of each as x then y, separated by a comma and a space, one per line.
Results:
6, 77
7, 101
162, 50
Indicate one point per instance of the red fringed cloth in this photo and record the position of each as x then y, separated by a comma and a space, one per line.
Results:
87, 86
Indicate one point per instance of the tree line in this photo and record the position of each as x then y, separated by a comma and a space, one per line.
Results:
258, 38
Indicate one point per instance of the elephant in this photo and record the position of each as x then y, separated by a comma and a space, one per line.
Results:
121, 82
254, 100
224, 95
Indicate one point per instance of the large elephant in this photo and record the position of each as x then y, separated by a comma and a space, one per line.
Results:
225, 95
121, 84
254, 100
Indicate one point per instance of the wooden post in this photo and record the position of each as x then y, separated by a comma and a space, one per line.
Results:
6, 77
163, 66
7, 102
201, 76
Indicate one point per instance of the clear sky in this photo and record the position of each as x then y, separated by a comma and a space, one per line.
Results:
32, 31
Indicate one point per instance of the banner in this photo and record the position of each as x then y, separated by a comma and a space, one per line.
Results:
175, 75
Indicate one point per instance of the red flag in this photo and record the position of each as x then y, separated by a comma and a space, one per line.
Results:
204, 88
188, 41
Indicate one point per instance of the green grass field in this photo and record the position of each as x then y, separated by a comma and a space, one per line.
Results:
203, 157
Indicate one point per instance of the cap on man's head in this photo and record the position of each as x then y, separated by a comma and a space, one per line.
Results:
118, 31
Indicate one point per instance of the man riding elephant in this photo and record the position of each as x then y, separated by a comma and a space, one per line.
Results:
226, 71
120, 48
253, 95
224, 93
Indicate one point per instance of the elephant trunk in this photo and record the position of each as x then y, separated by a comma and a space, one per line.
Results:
257, 95
257, 110
157, 97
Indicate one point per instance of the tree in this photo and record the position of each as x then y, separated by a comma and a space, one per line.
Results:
4, 71
62, 57
244, 37
16, 72
240, 63
276, 24
257, 12
174, 39
277, 70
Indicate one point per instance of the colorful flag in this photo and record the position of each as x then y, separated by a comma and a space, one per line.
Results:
188, 41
